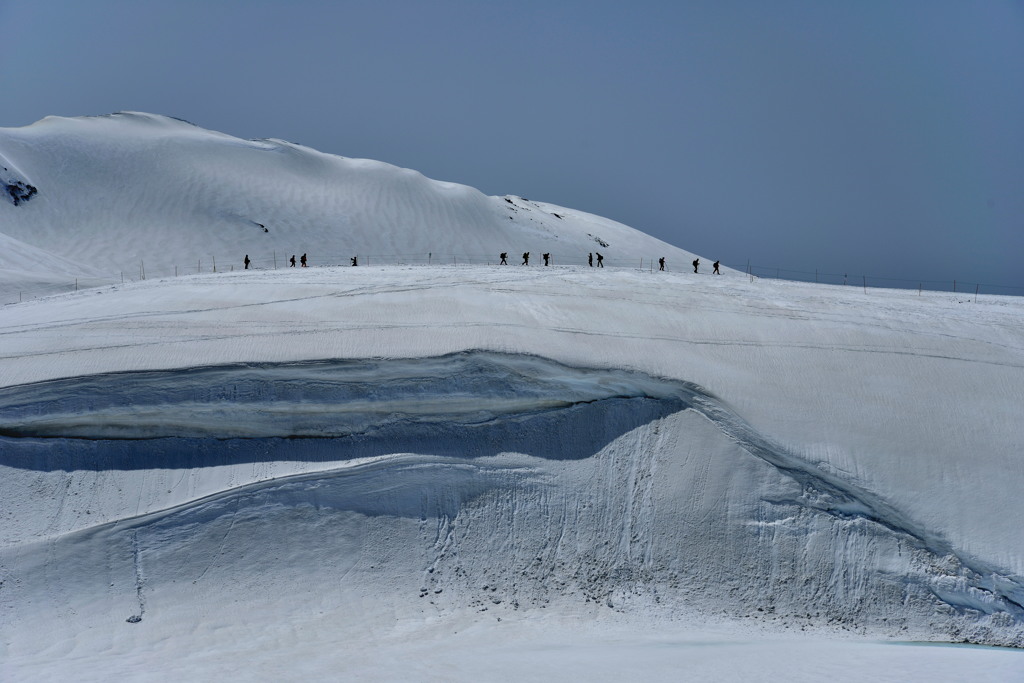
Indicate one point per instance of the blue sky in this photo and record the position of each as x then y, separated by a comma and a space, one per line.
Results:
882, 138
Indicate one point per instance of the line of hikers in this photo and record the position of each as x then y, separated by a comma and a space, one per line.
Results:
547, 259
291, 261
302, 261
526, 261
696, 265
600, 261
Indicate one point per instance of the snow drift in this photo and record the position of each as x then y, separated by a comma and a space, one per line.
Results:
636, 522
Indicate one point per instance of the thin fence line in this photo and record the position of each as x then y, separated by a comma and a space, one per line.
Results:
876, 281
211, 264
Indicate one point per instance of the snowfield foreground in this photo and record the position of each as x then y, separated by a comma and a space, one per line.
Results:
510, 473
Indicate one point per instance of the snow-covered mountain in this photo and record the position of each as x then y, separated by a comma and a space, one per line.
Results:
133, 193
477, 472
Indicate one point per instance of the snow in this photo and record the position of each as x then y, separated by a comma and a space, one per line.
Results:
464, 472
168, 197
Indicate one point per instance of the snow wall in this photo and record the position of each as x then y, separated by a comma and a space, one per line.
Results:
472, 481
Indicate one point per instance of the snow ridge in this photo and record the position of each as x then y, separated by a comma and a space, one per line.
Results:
981, 587
452, 416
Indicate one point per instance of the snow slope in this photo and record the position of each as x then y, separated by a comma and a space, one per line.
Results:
476, 472
135, 193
